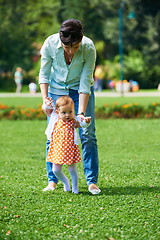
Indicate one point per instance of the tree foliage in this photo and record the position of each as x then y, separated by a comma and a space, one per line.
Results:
24, 24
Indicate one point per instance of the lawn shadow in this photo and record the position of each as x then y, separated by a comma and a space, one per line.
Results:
130, 190
111, 191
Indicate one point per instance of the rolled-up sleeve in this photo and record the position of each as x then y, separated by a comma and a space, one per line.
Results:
86, 79
46, 63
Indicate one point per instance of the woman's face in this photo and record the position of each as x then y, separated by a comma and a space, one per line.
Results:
71, 49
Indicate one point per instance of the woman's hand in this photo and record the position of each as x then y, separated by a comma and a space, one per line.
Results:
76, 124
87, 119
47, 111
47, 106
48, 101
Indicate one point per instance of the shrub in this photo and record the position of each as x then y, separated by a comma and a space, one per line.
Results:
22, 113
106, 111
128, 111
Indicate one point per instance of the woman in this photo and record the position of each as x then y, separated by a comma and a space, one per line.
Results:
67, 65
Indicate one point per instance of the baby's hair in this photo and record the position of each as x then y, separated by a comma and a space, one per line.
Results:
63, 101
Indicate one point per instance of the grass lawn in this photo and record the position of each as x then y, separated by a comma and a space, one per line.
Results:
21, 101
126, 209
99, 101
126, 100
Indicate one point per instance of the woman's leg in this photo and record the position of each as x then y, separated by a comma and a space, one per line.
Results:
74, 176
51, 177
57, 170
89, 145
88, 140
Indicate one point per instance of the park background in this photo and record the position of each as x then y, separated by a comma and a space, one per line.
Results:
26, 24
128, 138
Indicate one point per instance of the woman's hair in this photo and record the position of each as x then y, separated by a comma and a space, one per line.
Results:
63, 101
71, 32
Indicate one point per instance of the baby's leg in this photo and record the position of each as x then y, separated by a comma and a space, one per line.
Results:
74, 175
57, 169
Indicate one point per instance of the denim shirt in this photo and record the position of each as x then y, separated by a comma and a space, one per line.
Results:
62, 77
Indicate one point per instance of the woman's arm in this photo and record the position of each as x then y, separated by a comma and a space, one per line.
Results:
46, 100
44, 90
44, 74
83, 101
86, 78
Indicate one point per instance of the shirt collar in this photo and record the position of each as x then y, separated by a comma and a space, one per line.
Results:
59, 45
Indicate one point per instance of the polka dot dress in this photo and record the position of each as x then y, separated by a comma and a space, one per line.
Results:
62, 148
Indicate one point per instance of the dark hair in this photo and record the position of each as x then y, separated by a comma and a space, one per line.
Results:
71, 31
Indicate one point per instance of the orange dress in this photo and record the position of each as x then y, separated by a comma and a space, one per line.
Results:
62, 148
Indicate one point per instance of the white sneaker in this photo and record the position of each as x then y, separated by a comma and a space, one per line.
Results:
48, 189
75, 190
94, 191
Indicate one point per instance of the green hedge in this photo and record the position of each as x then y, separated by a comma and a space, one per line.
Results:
105, 111
22, 113
128, 111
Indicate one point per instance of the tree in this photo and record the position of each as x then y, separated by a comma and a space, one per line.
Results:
26, 24
22, 23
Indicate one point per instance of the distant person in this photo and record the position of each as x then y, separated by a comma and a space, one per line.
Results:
62, 134
18, 77
134, 85
98, 76
32, 87
111, 85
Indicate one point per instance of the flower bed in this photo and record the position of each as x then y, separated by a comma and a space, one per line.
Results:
105, 111
22, 113
128, 111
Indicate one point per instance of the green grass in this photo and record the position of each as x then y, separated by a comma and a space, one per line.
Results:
126, 209
34, 101
21, 101
126, 100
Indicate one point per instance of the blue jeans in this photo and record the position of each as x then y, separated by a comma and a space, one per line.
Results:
88, 140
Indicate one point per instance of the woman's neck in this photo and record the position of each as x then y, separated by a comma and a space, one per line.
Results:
68, 57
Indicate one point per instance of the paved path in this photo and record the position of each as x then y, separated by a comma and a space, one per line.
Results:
129, 94
97, 94
20, 95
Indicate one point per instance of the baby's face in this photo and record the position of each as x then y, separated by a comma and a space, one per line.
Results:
66, 113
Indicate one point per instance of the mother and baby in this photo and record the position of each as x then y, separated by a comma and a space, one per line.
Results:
66, 83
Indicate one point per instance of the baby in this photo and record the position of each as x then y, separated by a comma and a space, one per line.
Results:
61, 132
